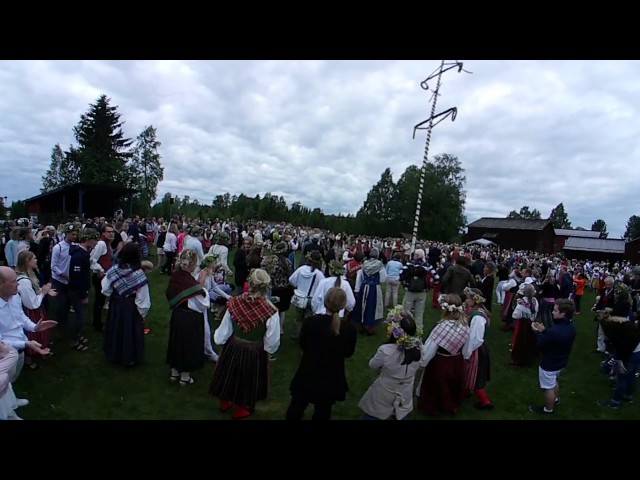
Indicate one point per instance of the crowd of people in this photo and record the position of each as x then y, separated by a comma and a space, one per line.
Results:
333, 284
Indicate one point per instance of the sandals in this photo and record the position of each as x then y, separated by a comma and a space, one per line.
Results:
191, 381
174, 378
81, 347
83, 340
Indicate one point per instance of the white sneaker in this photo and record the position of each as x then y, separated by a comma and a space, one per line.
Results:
14, 417
21, 402
106, 306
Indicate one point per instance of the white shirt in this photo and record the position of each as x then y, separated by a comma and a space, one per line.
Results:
271, 337
28, 295
170, 242
13, 323
476, 337
60, 260
143, 300
222, 253
99, 250
317, 303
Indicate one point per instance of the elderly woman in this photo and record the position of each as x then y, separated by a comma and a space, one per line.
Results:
369, 302
188, 300
441, 388
398, 361
128, 288
476, 352
250, 331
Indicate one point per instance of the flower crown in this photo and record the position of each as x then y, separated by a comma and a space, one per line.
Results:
403, 340
478, 299
450, 308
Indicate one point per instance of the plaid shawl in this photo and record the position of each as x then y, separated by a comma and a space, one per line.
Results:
450, 335
249, 312
126, 281
182, 286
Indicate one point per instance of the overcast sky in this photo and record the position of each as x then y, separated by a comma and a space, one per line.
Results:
533, 133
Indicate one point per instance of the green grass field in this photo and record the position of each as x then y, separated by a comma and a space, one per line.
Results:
82, 385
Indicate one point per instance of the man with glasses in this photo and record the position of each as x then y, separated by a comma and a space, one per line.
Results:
102, 258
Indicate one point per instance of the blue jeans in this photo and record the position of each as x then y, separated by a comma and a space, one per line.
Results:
625, 383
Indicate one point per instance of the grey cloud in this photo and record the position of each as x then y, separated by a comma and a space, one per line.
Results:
321, 132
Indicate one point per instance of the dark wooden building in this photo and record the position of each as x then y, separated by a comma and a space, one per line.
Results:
632, 251
595, 249
563, 234
81, 199
516, 234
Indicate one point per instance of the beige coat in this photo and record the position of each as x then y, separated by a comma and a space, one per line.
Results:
392, 392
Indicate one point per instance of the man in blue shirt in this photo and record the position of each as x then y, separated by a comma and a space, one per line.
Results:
555, 346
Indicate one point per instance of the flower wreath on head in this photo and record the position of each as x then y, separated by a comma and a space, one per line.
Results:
209, 260
478, 299
450, 308
403, 339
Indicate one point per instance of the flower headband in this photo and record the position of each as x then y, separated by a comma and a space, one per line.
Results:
450, 308
477, 299
403, 340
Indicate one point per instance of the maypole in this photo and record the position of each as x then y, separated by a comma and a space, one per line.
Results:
431, 121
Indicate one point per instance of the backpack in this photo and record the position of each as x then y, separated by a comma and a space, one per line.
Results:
413, 277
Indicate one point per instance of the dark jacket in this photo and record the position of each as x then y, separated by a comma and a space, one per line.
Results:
555, 345
321, 375
456, 279
79, 271
624, 336
486, 287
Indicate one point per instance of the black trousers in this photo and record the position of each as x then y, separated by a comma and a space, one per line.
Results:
321, 410
168, 264
98, 301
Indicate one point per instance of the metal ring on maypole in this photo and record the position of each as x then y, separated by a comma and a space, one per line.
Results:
452, 112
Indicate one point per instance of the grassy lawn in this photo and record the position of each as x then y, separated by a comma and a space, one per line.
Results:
82, 385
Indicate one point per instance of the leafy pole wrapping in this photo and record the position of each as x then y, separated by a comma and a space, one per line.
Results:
431, 121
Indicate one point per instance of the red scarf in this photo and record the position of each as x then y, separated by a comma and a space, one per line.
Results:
249, 312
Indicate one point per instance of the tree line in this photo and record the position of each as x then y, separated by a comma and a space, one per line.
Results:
387, 211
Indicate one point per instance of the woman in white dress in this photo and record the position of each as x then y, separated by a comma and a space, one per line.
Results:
391, 394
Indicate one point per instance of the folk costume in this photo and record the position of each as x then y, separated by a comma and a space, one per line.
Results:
442, 383
250, 330
129, 304
477, 362
188, 301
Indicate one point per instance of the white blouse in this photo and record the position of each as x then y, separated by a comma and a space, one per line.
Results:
271, 337
28, 295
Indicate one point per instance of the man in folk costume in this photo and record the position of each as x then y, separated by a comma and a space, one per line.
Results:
369, 308
101, 260
476, 352
441, 387
250, 331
